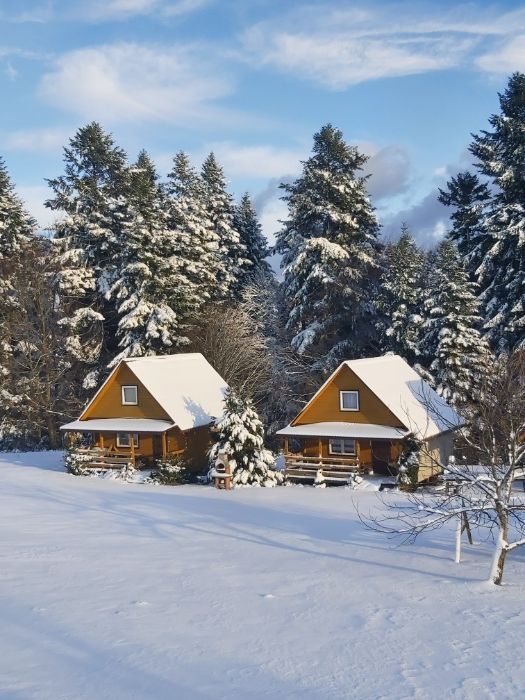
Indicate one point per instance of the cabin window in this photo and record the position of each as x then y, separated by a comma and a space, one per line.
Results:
341, 446
129, 396
124, 441
349, 400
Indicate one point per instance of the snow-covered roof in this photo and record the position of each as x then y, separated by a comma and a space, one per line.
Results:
186, 386
344, 430
401, 389
120, 425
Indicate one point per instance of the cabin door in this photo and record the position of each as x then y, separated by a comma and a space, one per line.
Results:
157, 446
380, 456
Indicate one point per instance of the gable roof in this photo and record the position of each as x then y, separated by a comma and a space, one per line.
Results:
400, 388
186, 386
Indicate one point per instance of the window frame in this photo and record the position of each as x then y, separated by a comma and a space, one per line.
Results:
349, 391
128, 444
123, 395
343, 453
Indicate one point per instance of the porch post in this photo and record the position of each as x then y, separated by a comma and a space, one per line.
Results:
358, 451
286, 447
101, 440
132, 447
320, 447
164, 446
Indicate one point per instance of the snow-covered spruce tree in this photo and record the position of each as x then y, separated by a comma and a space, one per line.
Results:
460, 357
150, 280
468, 197
240, 435
329, 250
401, 296
90, 199
500, 155
195, 241
251, 236
233, 263
17, 231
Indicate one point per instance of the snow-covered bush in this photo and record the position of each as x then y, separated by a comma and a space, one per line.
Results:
76, 461
171, 471
240, 435
408, 464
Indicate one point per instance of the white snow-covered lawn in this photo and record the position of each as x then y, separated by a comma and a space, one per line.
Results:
116, 591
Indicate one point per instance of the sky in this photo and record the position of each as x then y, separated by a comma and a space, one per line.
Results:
253, 80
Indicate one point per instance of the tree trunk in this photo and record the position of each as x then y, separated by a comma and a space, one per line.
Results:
498, 561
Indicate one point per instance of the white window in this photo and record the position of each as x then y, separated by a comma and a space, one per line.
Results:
124, 441
129, 396
349, 400
341, 446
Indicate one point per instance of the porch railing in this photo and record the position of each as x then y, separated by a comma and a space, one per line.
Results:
336, 469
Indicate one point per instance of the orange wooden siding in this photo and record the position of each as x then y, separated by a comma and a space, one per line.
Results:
326, 408
108, 403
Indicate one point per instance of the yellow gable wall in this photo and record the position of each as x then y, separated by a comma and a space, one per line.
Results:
325, 408
108, 403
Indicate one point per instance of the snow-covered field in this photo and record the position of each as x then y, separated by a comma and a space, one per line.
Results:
116, 591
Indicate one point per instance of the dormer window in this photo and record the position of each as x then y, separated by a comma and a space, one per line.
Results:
349, 400
129, 396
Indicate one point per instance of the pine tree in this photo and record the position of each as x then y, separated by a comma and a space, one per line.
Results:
459, 355
233, 263
329, 250
255, 244
195, 240
402, 296
500, 155
17, 233
91, 196
240, 435
468, 196
150, 285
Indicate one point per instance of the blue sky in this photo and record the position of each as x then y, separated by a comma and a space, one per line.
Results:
253, 80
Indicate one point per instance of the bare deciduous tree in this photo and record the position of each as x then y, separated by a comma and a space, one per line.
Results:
483, 487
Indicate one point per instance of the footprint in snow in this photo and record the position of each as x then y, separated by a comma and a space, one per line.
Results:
267, 595
141, 603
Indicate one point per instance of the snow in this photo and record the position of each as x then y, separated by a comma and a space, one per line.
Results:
185, 385
131, 425
112, 591
357, 430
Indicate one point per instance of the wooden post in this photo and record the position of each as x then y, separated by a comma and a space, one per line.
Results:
101, 440
320, 446
132, 447
164, 446
286, 446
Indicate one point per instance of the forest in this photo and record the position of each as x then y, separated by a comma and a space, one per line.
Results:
143, 264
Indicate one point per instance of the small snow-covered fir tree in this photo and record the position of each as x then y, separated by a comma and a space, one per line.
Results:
240, 435
468, 197
500, 155
402, 296
458, 355
150, 284
233, 263
251, 236
329, 250
90, 199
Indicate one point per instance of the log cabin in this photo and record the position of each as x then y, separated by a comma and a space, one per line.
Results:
152, 408
359, 418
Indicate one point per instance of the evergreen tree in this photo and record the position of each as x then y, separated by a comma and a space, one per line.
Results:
500, 155
468, 196
17, 231
233, 263
255, 244
402, 296
452, 340
150, 285
329, 250
240, 435
195, 243
91, 196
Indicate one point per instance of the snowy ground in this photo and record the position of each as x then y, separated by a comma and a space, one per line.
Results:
116, 591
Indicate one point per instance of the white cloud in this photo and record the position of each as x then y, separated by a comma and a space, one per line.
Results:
257, 160
131, 82
505, 59
337, 48
104, 10
34, 197
46, 139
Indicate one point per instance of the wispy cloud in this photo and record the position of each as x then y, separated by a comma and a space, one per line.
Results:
39, 139
101, 10
132, 82
337, 48
506, 58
